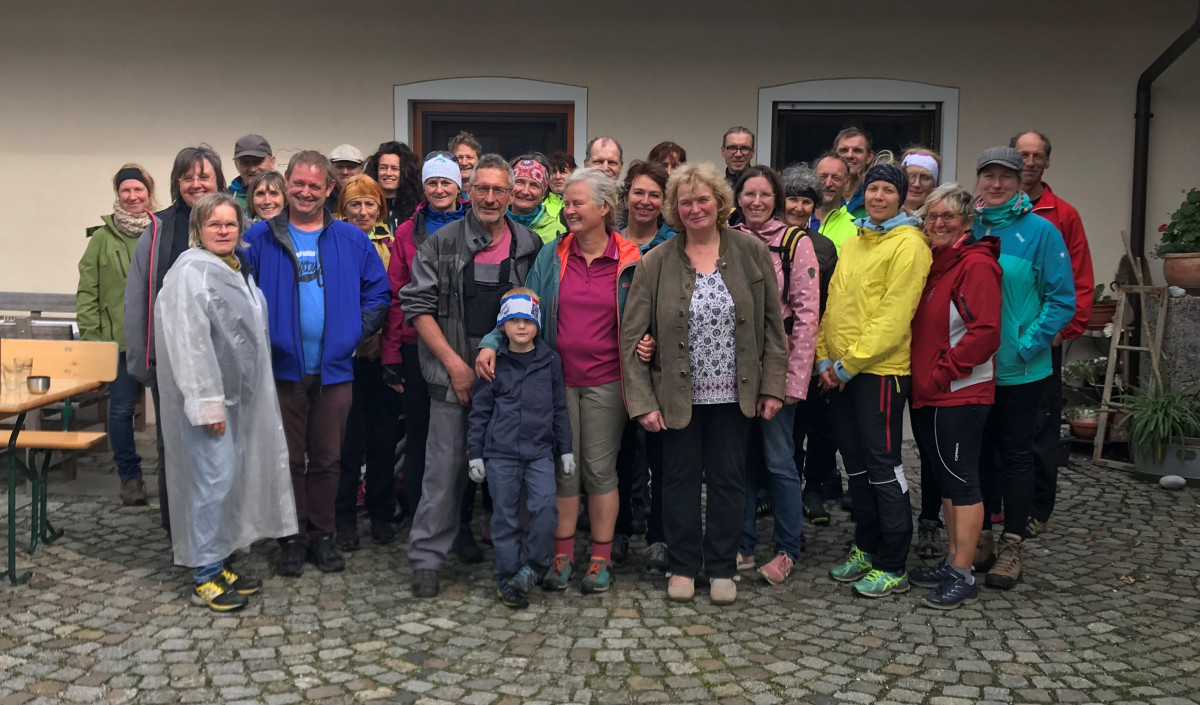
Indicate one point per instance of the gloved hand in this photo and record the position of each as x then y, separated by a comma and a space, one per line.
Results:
475, 470
568, 463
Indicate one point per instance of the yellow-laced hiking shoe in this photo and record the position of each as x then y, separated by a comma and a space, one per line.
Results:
217, 596
242, 584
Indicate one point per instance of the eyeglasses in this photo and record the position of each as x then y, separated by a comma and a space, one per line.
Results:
758, 196
921, 178
497, 191
738, 149
942, 217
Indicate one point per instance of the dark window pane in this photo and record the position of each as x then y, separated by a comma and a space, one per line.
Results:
801, 135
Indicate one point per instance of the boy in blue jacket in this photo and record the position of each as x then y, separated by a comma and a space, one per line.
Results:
518, 423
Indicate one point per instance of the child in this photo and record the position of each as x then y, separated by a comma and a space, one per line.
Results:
518, 423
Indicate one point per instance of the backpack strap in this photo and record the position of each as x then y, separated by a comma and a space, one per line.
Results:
786, 249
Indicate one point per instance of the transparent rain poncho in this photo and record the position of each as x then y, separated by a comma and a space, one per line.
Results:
214, 364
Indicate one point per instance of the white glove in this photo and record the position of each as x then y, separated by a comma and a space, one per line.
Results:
475, 470
568, 463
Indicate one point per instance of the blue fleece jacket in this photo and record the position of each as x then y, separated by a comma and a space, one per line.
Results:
356, 294
522, 414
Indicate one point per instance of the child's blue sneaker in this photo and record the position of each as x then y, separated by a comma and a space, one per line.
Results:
524, 580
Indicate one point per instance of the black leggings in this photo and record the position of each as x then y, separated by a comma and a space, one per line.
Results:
949, 439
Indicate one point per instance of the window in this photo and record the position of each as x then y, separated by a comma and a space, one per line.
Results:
509, 129
805, 130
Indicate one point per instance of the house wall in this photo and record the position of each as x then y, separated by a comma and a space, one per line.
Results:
86, 86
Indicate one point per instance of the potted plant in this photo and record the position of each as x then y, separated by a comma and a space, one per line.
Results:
1104, 307
1084, 421
1085, 374
1180, 244
1162, 421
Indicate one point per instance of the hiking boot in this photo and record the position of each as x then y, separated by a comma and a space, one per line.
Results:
927, 539
722, 591
326, 556
241, 584
1009, 561
656, 558
620, 550
1036, 528
524, 580
133, 493
778, 569
218, 597
744, 562
680, 589
291, 558
559, 575
382, 532
951, 594
510, 596
814, 509
465, 547
425, 583
933, 576
985, 552
856, 566
347, 537
598, 578
879, 583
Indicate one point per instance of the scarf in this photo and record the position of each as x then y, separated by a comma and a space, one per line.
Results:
890, 224
434, 219
1005, 214
234, 263
129, 224
527, 220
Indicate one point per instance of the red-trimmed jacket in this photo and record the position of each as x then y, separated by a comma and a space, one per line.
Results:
956, 330
1063, 216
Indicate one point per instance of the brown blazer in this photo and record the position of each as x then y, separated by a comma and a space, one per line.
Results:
658, 304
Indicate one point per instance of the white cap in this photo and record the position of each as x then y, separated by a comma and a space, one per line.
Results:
346, 153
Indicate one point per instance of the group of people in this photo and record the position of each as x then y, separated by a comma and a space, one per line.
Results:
660, 353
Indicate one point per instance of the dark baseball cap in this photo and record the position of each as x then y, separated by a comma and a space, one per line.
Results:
252, 146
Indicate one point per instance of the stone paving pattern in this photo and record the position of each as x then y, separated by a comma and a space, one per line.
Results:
1107, 613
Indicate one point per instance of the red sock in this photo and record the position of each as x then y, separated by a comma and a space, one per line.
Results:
564, 547
602, 550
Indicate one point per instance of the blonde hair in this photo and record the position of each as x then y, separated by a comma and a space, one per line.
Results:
204, 209
697, 174
956, 198
152, 203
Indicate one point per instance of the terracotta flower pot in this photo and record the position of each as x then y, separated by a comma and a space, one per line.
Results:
1084, 430
1182, 269
1102, 315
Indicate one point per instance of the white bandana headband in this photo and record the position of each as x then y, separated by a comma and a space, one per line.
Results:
924, 161
519, 306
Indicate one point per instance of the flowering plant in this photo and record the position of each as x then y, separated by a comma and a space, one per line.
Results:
1182, 233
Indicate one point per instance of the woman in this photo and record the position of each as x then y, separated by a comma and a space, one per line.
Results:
395, 168
561, 166
100, 311
956, 332
923, 167
581, 281
669, 154
266, 196
531, 181
373, 424
230, 482
797, 276
644, 187
864, 353
709, 300
466, 150
401, 369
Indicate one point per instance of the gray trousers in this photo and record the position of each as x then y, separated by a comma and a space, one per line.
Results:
435, 524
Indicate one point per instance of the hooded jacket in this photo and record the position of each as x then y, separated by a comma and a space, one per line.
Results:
1065, 218
103, 274
1038, 294
872, 298
356, 294
838, 226
956, 330
522, 413
546, 225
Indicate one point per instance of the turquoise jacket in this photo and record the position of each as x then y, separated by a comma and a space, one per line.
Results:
1038, 294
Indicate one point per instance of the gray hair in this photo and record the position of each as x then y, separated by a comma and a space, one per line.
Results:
203, 210
956, 198
800, 179
587, 153
492, 161
601, 187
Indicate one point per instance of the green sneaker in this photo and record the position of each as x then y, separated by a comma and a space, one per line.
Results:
559, 575
598, 578
857, 565
878, 583
1036, 527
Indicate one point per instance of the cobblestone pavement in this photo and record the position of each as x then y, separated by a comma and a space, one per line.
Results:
1107, 613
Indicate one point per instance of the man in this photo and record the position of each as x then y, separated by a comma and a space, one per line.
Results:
326, 289
853, 146
347, 161
835, 222
737, 149
530, 184
606, 154
1034, 148
252, 156
459, 275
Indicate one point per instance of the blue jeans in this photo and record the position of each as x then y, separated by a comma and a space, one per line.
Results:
122, 397
535, 546
208, 572
779, 456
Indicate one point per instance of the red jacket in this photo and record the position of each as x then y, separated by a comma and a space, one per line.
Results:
956, 330
1064, 217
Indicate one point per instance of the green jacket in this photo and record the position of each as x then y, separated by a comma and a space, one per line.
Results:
103, 270
838, 225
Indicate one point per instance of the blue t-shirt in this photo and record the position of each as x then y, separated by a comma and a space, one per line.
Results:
312, 296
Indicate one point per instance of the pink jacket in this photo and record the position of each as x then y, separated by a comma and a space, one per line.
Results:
396, 331
802, 306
